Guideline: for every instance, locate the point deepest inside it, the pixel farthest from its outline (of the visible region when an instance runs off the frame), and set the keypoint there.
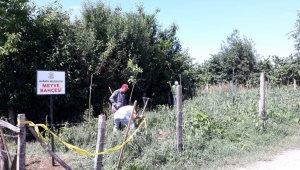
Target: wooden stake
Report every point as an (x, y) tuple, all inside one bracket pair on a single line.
[(145, 105), (90, 96), (21, 156), (261, 108), (100, 141), (125, 137), (110, 90), (179, 119)]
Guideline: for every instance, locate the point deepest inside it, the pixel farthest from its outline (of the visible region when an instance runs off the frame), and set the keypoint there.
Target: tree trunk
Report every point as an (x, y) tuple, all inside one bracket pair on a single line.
[(11, 116), (232, 75), (131, 94), (190, 91)]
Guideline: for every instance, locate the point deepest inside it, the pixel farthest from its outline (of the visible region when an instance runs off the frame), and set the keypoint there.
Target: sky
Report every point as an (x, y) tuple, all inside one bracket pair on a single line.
[(205, 24)]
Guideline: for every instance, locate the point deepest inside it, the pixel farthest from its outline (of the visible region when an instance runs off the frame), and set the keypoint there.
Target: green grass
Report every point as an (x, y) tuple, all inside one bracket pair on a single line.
[(218, 133)]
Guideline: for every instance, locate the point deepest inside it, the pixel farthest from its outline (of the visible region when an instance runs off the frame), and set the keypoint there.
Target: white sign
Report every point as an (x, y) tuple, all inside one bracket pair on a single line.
[(50, 82)]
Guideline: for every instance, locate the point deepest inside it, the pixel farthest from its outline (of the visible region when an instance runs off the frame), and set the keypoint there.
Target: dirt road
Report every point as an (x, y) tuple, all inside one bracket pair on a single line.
[(288, 160)]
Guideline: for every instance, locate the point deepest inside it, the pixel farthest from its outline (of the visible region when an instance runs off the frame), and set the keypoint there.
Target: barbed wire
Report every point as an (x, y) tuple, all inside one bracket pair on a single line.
[(67, 124), (12, 136), (12, 154)]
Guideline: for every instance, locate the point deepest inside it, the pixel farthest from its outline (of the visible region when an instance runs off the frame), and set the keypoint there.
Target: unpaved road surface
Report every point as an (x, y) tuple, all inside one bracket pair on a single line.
[(288, 160)]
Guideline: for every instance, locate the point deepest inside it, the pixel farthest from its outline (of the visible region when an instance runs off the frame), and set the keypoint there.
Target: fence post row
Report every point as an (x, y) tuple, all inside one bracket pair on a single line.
[(100, 141), (179, 118)]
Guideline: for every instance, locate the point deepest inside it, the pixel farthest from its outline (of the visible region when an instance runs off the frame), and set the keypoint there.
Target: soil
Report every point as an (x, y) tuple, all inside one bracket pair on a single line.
[(44, 164), (288, 160)]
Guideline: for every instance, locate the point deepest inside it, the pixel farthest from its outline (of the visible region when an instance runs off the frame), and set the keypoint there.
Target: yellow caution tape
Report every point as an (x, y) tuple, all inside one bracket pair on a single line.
[(74, 148)]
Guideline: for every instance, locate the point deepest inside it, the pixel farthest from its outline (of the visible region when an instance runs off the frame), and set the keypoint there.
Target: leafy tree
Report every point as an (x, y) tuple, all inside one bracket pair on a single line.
[(134, 71), (44, 39), (296, 34), (15, 39), (96, 47), (235, 61), (285, 70), (136, 36)]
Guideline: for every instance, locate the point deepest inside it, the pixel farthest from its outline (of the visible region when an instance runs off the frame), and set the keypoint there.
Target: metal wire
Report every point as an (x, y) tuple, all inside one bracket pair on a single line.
[(11, 153), (12, 136)]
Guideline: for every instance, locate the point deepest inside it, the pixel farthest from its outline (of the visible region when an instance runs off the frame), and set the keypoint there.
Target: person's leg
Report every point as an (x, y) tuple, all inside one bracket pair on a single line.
[(126, 121), (116, 125), (175, 100), (132, 125)]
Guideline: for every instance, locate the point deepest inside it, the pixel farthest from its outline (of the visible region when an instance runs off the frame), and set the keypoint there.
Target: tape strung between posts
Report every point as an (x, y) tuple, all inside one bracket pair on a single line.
[(74, 148)]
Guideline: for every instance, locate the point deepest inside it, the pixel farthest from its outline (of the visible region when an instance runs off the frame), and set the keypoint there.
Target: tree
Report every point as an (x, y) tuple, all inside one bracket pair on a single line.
[(296, 34), (96, 47), (235, 61), (285, 70), (44, 39), (134, 70)]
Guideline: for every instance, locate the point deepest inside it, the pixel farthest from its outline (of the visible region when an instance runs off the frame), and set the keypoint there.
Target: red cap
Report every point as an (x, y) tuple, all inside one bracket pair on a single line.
[(125, 86)]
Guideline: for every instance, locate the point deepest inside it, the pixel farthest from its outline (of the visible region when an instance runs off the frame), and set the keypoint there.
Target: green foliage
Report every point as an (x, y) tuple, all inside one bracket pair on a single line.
[(134, 70), (203, 125), (295, 33), (235, 61), (100, 44)]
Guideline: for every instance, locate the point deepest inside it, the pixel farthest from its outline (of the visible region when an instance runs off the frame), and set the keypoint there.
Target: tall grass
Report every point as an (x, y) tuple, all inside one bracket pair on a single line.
[(220, 129)]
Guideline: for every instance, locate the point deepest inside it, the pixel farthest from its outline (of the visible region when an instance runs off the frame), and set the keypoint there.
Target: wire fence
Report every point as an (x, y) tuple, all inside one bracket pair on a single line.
[(11, 136), (11, 154)]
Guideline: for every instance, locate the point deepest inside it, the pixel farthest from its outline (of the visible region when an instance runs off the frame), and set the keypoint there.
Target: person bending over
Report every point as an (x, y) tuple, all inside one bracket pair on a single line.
[(122, 115)]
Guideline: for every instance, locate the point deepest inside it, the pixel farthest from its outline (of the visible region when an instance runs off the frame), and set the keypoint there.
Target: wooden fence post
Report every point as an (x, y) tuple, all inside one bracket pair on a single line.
[(100, 141), (261, 108), (21, 152), (179, 118)]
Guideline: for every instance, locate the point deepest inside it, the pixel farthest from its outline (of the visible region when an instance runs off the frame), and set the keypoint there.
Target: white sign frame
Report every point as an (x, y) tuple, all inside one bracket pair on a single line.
[(50, 82)]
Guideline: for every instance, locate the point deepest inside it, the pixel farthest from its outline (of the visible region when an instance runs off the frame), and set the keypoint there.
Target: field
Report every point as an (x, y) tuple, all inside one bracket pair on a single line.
[(221, 130)]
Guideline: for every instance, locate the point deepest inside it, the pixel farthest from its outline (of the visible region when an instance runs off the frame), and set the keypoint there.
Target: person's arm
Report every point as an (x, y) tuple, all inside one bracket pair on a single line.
[(124, 101), (112, 98), (137, 116)]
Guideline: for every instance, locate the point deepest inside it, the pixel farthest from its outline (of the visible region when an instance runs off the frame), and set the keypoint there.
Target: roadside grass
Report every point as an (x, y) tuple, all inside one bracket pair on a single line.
[(220, 131)]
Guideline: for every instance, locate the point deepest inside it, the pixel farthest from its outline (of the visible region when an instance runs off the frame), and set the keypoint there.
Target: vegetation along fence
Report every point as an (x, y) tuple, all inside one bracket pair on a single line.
[(19, 161)]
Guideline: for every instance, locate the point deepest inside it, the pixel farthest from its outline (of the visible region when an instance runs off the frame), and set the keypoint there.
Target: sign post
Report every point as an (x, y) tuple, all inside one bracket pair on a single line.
[(51, 83)]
